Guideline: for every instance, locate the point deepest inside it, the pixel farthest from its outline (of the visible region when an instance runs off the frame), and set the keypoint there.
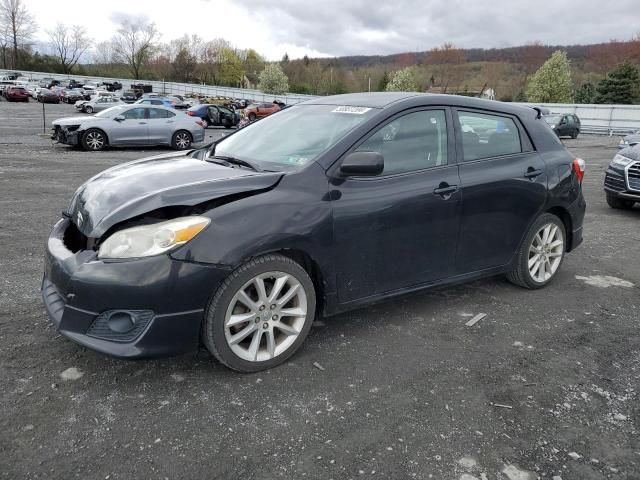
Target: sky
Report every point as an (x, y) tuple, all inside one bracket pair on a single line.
[(359, 27)]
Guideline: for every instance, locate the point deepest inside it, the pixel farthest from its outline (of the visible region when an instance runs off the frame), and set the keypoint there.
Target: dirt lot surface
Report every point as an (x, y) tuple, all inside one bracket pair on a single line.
[(547, 385)]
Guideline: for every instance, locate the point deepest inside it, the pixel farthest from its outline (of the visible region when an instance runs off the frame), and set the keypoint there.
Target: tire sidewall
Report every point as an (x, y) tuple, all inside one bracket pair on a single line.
[(213, 327), (542, 220), (84, 141)]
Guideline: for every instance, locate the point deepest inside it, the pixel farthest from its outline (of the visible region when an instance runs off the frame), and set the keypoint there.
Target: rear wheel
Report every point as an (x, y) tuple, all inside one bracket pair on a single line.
[(574, 135), (260, 315), (94, 139), (619, 203), (541, 254), (88, 109), (252, 117), (181, 140)]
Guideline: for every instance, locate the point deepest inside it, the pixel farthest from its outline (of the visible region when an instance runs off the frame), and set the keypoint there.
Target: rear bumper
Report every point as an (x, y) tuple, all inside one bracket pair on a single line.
[(164, 298)]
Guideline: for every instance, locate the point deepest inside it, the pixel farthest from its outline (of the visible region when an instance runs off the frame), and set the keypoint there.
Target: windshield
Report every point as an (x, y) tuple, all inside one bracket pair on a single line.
[(551, 119), (113, 111), (293, 137)]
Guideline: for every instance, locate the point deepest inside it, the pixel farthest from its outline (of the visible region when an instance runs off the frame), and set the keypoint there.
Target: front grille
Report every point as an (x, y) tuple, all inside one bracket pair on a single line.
[(633, 176), (53, 301), (614, 182), (100, 327)]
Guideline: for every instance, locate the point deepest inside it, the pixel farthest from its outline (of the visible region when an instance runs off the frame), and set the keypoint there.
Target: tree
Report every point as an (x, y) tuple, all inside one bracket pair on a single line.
[(446, 61), (273, 80), (183, 65), (586, 93), (134, 44), (403, 81), (18, 24), (621, 86), (69, 44), (384, 81), (552, 82)]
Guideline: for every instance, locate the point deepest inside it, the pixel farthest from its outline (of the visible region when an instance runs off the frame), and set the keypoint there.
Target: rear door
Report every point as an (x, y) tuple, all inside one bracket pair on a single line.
[(161, 125), (504, 187)]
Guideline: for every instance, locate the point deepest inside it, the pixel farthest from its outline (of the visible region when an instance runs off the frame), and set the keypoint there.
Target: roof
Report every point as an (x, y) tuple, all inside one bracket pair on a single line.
[(414, 99)]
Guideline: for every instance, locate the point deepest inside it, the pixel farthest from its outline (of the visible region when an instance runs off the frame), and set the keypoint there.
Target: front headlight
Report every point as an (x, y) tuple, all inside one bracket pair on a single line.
[(621, 160), (148, 240), (553, 127)]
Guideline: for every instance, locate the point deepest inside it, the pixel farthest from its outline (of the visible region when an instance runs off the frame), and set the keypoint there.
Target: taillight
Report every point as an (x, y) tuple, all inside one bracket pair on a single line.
[(579, 166), (190, 113)]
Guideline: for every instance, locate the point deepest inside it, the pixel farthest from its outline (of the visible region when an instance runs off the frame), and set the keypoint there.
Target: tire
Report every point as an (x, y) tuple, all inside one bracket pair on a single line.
[(94, 140), (181, 140), (252, 117), (268, 328), (88, 109), (552, 257), (574, 135), (619, 203)]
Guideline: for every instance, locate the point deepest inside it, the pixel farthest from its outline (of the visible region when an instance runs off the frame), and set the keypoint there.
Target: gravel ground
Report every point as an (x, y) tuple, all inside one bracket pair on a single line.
[(545, 386)]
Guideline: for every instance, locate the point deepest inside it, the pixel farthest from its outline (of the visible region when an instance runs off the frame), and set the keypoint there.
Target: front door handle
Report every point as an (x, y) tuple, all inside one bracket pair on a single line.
[(445, 190), (533, 173), (142, 123)]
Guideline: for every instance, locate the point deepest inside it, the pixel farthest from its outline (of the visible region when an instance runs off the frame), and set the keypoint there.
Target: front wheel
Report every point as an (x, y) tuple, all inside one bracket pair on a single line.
[(94, 139), (181, 140), (88, 109), (260, 315), (541, 254)]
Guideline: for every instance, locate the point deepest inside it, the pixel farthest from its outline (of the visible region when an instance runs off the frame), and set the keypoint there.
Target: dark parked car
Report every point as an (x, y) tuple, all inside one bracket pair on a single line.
[(332, 204), (622, 179), (630, 140), (564, 125), (71, 95), (215, 115), (112, 86), (48, 96), (16, 94), (129, 97)]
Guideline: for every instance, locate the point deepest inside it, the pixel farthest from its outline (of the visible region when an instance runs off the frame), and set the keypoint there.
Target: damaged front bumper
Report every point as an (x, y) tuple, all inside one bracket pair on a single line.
[(140, 308), (65, 135)]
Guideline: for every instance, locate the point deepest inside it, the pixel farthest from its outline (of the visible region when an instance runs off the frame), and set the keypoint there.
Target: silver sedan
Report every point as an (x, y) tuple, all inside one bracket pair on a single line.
[(130, 125)]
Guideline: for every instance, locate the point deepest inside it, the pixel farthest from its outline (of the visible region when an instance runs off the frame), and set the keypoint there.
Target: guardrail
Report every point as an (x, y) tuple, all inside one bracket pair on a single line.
[(598, 119)]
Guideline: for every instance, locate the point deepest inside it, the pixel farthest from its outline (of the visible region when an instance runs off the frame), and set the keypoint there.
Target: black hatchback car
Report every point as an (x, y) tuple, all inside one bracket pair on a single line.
[(327, 206), (564, 125)]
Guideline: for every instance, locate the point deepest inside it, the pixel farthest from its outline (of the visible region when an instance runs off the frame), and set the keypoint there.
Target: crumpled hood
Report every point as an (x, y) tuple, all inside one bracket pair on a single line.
[(77, 120), (131, 189)]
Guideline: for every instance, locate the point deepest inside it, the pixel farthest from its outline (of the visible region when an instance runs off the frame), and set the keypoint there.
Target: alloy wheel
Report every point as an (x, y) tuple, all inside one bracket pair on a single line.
[(545, 253), (182, 140), (265, 316), (95, 140)]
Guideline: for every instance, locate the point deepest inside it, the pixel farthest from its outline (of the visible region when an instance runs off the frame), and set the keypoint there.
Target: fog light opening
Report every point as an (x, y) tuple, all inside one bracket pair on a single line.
[(121, 322)]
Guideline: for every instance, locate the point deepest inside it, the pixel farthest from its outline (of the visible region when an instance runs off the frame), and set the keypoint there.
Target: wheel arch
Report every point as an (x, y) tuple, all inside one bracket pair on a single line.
[(563, 214)]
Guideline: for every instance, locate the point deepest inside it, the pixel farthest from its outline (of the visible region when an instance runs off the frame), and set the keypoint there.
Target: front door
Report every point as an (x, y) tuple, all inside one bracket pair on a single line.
[(504, 186), (398, 229), (133, 130)]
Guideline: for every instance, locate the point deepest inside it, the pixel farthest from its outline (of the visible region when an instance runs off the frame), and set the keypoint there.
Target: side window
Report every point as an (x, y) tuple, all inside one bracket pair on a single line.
[(486, 136), (134, 114), (155, 113), (412, 142)]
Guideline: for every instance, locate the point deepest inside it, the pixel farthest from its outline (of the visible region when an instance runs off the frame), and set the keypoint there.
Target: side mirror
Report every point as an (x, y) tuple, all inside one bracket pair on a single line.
[(362, 164), (119, 118)]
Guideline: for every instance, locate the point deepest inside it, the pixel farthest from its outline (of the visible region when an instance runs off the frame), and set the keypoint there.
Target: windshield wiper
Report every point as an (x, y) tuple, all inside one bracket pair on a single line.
[(235, 161)]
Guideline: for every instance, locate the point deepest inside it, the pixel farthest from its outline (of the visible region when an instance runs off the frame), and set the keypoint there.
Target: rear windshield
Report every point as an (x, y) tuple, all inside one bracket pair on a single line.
[(552, 119)]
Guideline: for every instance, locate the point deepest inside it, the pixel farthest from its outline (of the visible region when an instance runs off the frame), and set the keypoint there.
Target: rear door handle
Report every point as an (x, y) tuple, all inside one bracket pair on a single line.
[(533, 173), (445, 190)]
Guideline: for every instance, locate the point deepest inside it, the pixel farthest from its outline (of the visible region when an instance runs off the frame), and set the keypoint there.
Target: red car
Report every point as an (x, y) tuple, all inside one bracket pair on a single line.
[(17, 94), (259, 110)]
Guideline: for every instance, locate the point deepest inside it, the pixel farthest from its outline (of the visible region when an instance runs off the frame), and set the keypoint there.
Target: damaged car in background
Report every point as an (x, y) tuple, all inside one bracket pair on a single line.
[(330, 205), (129, 125)]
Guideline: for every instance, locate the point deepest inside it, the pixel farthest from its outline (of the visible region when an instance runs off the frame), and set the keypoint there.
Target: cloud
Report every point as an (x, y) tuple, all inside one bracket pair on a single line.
[(339, 27)]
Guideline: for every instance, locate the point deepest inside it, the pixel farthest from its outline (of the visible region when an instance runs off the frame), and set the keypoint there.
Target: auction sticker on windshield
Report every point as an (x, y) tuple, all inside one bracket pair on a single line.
[(348, 109)]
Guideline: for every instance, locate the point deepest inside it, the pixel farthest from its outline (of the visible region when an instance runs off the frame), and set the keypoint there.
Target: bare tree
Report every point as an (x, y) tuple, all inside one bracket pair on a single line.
[(446, 61), (19, 23), (69, 44), (134, 44)]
